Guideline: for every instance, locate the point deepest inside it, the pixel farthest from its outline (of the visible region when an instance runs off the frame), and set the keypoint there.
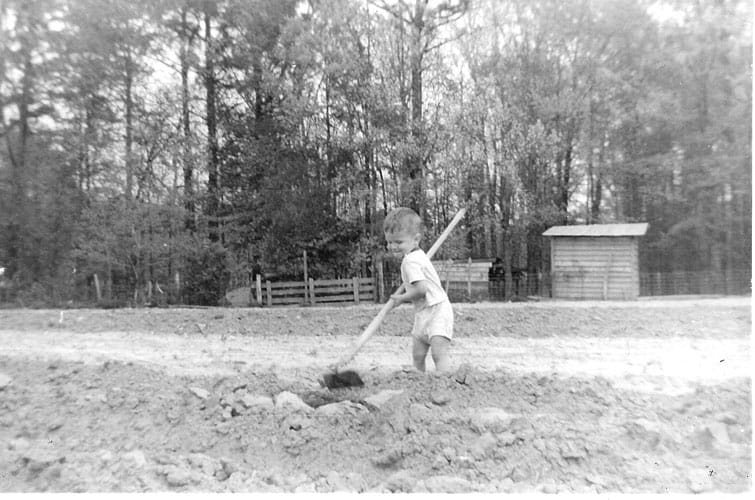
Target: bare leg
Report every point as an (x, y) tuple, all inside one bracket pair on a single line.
[(439, 346), (419, 353)]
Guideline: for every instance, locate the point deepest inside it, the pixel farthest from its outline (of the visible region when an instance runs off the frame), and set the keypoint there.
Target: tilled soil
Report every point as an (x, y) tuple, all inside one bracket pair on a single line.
[(547, 397)]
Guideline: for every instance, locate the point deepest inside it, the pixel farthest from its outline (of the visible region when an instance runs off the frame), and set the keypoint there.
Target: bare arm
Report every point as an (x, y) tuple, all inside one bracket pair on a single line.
[(414, 291)]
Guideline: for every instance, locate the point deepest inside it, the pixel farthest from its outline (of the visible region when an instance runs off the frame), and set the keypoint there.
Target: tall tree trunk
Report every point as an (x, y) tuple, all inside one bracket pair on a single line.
[(330, 165), (370, 197), (370, 208), (508, 251), (188, 161), (211, 120), (88, 134), (597, 190), (590, 173), (415, 161), (564, 171), (129, 104)]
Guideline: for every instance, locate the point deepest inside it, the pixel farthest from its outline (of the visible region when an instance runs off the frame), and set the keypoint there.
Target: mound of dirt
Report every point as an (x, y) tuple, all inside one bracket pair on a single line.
[(121, 427)]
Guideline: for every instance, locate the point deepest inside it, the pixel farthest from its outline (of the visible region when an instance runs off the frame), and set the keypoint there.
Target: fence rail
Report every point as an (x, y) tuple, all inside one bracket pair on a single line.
[(349, 290)]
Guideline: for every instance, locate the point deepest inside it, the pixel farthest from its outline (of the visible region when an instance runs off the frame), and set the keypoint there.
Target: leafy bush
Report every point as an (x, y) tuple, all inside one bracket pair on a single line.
[(207, 275)]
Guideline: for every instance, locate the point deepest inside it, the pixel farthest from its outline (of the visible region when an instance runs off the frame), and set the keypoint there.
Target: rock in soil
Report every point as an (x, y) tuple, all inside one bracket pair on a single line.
[(388, 458), (135, 458), (483, 445), (290, 402), (340, 408), (199, 392), (448, 484), (257, 402), (699, 481), (440, 397), (401, 482), (490, 419), (462, 374), (178, 476), (385, 399), (5, 381)]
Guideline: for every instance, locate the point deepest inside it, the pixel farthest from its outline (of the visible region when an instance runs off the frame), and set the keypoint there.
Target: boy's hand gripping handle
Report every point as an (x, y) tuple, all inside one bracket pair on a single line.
[(377, 320)]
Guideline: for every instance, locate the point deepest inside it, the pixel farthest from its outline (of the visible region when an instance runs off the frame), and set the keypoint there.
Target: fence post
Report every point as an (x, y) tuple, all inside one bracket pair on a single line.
[(306, 277), (355, 283), (258, 289), (380, 284), (469, 279), (449, 268), (269, 293), (97, 288), (312, 291)]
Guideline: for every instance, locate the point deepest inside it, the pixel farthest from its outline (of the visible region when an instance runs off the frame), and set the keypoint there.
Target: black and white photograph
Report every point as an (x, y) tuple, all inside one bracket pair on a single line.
[(376, 247)]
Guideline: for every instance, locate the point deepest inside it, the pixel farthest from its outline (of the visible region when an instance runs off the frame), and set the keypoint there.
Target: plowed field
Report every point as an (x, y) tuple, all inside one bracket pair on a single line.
[(635, 397)]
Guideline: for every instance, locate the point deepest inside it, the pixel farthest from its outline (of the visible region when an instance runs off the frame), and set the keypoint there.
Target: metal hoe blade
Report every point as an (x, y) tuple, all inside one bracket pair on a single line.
[(337, 380)]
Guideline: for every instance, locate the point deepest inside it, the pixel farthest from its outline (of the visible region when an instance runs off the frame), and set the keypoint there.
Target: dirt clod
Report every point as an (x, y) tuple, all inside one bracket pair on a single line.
[(401, 481), (490, 419), (440, 397), (135, 458), (462, 373), (290, 402), (178, 477), (448, 484), (5, 381), (385, 399), (699, 480), (199, 392), (340, 409), (483, 445), (257, 402), (388, 458)]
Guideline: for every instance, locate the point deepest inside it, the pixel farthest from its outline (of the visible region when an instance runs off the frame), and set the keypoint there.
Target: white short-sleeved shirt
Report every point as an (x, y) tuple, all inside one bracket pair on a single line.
[(415, 266)]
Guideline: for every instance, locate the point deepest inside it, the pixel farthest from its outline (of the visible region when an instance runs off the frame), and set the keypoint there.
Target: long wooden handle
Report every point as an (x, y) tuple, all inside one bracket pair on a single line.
[(377, 320)]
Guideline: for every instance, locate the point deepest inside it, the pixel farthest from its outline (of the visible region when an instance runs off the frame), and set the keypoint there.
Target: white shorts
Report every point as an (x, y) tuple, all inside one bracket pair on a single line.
[(437, 319)]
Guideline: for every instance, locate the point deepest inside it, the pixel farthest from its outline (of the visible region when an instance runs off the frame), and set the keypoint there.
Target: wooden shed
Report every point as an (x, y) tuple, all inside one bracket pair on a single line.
[(599, 261)]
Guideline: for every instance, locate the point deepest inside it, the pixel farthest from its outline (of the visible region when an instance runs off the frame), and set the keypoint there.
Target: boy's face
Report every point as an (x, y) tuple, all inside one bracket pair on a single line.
[(401, 243)]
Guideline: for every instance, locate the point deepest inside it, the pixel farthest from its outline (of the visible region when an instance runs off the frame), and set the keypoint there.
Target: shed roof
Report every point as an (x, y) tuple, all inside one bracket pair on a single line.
[(637, 229)]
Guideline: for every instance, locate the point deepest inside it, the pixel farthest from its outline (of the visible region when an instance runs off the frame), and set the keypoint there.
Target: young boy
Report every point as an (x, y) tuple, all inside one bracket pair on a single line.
[(433, 315)]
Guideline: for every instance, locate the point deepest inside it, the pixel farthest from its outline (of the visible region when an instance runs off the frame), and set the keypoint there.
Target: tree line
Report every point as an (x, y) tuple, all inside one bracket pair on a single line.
[(149, 140)]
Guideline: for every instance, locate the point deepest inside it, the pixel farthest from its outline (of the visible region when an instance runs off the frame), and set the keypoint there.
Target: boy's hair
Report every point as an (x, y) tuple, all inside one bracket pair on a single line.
[(402, 219)]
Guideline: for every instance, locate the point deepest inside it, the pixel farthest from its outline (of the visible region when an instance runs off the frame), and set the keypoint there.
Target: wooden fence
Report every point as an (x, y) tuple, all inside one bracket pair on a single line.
[(349, 290), (464, 278)]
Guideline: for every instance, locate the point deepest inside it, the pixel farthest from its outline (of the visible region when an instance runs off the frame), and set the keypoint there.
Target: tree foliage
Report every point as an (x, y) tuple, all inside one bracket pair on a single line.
[(183, 144)]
